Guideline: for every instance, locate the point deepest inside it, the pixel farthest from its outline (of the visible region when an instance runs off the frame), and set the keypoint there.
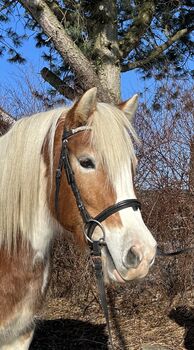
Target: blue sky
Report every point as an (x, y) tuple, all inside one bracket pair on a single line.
[(131, 82)]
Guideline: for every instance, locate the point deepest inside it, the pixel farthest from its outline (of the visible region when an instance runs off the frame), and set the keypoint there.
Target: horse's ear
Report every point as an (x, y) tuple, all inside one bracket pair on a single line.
[(129, 107), (82, 109)]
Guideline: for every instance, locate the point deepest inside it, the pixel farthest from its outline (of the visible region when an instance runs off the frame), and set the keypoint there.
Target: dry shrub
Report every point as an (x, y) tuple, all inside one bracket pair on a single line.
[(169, 216), (171, 221), (71, 269)]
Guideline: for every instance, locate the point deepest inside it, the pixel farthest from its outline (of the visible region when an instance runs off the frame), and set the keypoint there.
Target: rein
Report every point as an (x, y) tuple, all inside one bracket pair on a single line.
[(89, 221), (160, 252)]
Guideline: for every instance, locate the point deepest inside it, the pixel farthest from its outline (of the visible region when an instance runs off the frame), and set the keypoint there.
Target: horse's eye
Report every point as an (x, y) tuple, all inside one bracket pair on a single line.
[(87, 163)]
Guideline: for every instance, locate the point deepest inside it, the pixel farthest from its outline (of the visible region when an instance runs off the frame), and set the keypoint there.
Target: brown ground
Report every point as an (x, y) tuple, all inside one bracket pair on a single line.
[(144, 313), (65, 326)]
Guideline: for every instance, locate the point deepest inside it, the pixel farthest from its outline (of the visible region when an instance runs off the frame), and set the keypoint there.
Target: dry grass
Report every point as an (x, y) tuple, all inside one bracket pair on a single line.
[(135, 321), (157, 310)]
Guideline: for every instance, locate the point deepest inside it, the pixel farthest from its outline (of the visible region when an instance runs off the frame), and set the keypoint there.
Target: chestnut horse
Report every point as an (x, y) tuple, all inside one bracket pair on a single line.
[(102, 157)]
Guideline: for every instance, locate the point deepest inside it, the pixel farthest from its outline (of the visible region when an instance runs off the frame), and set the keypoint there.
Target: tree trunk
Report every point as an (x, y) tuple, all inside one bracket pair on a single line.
[(6, 121), (106, 48), (84, 71)]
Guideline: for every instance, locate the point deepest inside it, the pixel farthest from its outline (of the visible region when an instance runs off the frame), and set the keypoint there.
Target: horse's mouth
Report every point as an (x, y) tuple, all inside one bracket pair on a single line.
[(110, 269)]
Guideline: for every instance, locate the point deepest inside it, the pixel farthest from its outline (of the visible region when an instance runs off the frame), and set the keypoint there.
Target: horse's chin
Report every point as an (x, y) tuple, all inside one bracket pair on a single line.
[(110, 272)]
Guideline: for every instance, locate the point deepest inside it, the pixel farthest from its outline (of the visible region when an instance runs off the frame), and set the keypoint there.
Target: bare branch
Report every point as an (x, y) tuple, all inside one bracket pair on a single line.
[(157, 51), (57, 10), (191, 175), (58, 84), (61, 14)]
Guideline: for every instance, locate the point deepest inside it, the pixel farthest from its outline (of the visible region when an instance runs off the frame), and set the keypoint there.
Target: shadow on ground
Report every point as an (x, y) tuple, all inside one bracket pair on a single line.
[(184, 317), (69, 334)]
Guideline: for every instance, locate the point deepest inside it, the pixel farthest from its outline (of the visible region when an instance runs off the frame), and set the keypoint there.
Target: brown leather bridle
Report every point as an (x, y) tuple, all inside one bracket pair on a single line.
[(89, 221)]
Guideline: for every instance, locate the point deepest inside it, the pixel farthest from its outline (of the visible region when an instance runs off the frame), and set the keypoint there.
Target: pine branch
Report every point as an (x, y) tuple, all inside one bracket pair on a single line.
[(68, 50), (58, 84), (157, 51), (136, 31), (62, 14), (6, 5)]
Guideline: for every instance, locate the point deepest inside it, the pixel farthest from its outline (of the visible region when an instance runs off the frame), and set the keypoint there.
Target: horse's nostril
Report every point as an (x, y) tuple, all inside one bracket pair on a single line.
[(132, 258)]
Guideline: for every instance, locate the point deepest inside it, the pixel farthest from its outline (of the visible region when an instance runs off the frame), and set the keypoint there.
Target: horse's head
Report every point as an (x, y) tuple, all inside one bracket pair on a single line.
[(103, 159)]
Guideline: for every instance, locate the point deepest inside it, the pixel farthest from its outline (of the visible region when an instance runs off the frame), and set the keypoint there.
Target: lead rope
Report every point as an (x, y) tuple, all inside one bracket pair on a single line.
[(96, 257), (97, 263)]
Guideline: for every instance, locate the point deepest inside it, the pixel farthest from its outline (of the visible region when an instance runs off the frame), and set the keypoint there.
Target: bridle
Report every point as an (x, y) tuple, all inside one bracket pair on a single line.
[(90, 222)]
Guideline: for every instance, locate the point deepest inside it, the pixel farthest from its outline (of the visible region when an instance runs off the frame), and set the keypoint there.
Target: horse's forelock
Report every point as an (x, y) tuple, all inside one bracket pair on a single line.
[(112, 135)]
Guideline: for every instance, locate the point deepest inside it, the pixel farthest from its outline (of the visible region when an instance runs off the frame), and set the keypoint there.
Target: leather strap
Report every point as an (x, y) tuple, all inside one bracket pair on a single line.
[(97, 262), (127, 203), (160, 252)]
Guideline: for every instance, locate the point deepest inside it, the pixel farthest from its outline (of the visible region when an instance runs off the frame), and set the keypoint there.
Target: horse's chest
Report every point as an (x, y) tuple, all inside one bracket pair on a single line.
[(22, 287)]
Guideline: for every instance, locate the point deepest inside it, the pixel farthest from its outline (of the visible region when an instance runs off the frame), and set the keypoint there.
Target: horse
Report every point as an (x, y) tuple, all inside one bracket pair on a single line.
[(34, 207)]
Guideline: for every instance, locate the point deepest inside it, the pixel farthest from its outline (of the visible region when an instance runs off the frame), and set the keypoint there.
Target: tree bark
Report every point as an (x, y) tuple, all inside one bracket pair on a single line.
[(106, 48), (69, 51), (58, 84), (6, 121)]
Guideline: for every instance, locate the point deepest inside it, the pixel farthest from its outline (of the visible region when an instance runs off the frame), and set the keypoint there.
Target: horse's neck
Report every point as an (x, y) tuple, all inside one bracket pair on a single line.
[(44, 225)]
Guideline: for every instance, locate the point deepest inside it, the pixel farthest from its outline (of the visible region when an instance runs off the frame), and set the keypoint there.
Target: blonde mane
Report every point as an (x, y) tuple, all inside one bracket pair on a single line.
[(21, 157)]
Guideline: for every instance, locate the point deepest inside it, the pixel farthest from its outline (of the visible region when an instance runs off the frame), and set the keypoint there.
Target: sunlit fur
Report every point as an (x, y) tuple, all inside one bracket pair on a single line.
[(21, 158)]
